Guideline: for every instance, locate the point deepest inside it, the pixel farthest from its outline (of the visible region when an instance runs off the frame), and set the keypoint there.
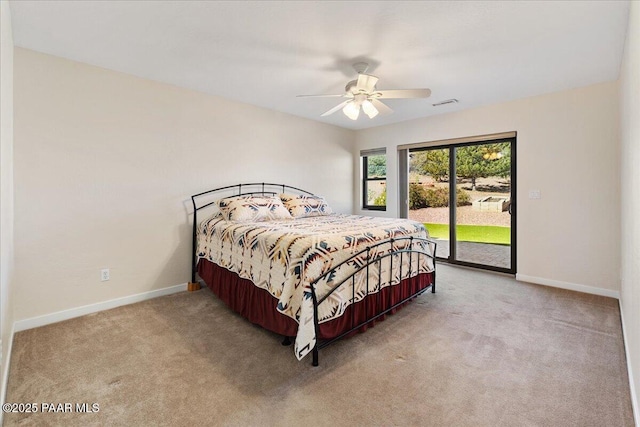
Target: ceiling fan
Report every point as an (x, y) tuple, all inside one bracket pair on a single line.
[(362, 92)]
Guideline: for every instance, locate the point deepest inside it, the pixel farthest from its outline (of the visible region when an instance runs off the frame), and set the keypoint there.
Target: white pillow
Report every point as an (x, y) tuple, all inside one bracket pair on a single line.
[(300, 206), (253, 208)]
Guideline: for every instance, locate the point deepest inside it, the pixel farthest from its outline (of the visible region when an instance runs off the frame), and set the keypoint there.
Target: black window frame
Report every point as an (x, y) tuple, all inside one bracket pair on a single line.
[(366, 179)]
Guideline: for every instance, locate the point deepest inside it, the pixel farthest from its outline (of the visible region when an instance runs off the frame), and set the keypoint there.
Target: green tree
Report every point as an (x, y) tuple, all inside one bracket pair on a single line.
[(434, 163), (377, 166), (482, 161), (503, 164)]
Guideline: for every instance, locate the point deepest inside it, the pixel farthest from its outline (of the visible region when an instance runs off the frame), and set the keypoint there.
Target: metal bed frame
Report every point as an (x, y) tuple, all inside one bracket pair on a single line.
[(270, 189), (234, 190)]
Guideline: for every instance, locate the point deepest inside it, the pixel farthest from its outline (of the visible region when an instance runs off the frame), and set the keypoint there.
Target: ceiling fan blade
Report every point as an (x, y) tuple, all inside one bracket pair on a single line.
[(320, 96), (336, 108), (404, 93), (366, 83), (382, 108)]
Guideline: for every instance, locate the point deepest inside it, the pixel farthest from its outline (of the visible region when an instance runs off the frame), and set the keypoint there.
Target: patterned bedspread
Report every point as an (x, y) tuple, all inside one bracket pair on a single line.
[(286, 256)]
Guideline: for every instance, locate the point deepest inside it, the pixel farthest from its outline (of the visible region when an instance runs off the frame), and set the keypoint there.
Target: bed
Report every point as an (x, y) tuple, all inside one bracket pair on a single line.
[(280, 257)]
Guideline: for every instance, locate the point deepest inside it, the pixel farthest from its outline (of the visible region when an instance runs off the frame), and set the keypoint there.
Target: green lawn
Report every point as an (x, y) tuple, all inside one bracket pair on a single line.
[(473, 233)]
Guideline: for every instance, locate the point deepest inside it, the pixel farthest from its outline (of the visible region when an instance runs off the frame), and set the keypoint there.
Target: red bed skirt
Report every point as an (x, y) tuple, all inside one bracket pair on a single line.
[(258, 306)]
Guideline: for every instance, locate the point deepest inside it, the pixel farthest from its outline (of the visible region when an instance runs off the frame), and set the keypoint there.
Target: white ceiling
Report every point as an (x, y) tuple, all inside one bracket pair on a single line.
[(266, 53)]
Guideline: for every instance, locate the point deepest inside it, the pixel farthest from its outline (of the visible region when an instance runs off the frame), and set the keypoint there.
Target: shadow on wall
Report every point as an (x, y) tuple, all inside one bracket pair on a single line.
[(179, 260), (176, 268)]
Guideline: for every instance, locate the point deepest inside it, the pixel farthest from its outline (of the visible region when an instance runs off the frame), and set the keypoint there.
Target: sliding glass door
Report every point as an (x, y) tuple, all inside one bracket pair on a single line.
[(465, 196)]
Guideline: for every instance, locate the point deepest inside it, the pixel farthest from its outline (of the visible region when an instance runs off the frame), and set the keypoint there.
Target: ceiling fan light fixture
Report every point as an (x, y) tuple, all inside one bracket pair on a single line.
[(363, 92), (351, 110), (369, 109)]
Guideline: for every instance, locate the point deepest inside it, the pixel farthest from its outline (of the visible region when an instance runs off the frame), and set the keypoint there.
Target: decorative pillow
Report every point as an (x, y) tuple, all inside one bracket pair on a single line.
[(253, 208), (302, 206)]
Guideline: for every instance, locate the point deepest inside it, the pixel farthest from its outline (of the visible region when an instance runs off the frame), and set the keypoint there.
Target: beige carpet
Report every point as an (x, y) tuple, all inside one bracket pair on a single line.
[(483, 351)]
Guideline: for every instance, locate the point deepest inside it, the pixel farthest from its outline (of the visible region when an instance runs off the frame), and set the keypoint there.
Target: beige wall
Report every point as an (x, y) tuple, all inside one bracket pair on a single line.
[(567, 148), (630, 183), (105, 164), (6, 188)]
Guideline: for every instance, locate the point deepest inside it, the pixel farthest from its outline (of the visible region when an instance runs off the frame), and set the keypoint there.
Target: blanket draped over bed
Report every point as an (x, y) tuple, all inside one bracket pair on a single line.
[(285, 256)]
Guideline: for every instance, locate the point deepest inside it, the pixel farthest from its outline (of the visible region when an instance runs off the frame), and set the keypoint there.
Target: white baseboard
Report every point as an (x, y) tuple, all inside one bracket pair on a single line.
[(5, 371), (59, 316), (632, 384), (568, 285)]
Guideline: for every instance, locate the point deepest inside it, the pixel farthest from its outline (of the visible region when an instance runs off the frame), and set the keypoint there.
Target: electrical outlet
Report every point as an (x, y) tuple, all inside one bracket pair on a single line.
[(104, 274), (534, 194)]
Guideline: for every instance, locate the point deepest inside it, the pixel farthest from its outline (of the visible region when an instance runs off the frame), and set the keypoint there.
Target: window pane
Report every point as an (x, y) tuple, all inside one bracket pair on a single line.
[(377, 166), (429, 194), (483, 221), (376, 192)]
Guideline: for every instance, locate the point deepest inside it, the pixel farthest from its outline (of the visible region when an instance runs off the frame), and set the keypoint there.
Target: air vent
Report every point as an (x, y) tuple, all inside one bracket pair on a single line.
[(448, 101)]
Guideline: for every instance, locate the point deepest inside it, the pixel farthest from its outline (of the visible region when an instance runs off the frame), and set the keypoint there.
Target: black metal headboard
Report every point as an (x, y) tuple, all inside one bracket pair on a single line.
[(254, 188)]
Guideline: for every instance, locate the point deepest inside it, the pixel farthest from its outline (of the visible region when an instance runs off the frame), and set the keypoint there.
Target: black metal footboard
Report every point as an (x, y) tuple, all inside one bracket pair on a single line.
[(417, 247)]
